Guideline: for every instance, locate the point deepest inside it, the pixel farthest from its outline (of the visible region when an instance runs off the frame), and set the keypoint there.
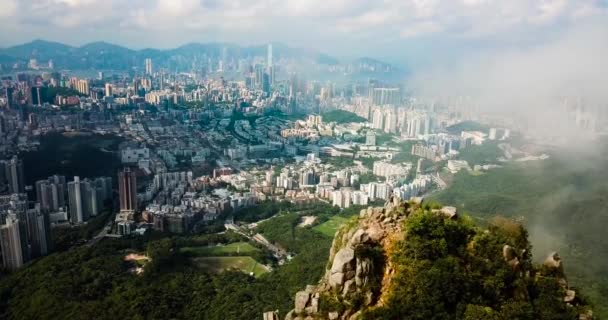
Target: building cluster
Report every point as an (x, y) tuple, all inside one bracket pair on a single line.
[(177, 201), (24, 231), (86, 197)]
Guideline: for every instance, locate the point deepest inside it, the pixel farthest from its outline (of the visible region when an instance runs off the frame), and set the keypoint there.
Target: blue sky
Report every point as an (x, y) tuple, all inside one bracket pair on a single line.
[(391, 29)]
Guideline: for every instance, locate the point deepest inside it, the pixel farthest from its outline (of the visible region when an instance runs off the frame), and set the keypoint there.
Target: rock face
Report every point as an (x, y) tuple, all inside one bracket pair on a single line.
[(352, 270)]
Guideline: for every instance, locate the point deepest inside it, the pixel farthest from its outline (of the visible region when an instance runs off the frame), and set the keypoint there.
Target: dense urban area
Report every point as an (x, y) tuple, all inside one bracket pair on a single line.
[(209, 182)]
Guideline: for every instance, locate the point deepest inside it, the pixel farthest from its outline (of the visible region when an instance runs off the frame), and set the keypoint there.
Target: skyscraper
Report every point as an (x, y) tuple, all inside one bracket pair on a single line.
[(108, 90), (75, 199), (11, 244), (127, 189), (13, 173), (148, 63), (37, 232)]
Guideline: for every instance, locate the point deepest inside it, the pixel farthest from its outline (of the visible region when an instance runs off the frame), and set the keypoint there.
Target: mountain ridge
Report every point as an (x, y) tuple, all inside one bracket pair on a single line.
[(67, 56)]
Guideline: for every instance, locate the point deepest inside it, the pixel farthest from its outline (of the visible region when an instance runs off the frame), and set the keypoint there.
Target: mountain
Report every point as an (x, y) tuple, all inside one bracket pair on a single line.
[(102, 47), (411, 260), (103, 55), (39, 49)]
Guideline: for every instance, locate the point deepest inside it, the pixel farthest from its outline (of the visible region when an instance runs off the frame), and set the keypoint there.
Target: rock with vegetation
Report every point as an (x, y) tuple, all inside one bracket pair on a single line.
[(412, 260)]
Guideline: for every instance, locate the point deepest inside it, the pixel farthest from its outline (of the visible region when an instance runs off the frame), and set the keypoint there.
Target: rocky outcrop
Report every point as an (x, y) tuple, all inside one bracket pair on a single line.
[(357, 264), (360, 271)]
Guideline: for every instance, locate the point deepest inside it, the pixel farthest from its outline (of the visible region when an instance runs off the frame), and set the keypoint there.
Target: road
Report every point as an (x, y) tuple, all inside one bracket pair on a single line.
[(103, 233)]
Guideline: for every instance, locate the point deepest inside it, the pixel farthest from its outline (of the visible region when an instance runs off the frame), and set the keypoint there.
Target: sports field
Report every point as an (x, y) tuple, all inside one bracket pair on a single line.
[(219, 264), (237, 248)]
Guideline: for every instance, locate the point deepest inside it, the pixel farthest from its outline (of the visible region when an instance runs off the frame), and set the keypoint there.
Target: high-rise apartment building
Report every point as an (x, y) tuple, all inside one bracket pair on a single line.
[(24, 231), (148, 63), (108, 91), (86, 197), (50, 193), (75, 188), (13, 175), (384, 96), (127, 189), (11, 244)]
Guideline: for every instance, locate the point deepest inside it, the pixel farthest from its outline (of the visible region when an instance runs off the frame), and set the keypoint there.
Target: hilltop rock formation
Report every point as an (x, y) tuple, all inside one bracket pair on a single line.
[(362, 267)]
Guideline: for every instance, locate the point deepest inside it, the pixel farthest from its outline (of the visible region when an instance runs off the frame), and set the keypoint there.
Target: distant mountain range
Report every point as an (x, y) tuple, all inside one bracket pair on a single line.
[(103, 55)]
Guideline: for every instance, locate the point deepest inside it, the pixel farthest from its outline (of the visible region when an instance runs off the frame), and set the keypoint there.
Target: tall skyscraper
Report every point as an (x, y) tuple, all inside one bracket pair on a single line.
[(108, 90), (11, 244), (13, 173), (127, 189), (75, 188), (37, 232), (270, 55), (148, 63)]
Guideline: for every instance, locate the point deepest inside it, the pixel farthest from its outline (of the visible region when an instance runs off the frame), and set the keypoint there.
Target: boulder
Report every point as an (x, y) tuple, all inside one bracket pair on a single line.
[(375, 232), (349, 287), (336, 280), (302, 298), (363, 213), (570, 296), (553, 261), (343, 260), (333, 315), (289, 315), (449, 212), (314, 304), (359, 237)]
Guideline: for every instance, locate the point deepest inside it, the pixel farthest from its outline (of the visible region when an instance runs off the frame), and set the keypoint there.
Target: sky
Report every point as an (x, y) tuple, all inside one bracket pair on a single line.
[(396, 30)]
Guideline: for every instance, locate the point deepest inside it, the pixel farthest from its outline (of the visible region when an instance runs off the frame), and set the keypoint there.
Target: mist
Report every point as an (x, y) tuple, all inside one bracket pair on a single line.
[(532, 85)]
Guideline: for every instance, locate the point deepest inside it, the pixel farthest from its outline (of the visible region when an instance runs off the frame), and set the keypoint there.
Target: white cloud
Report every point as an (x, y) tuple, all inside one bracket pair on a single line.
[(8, 8), (308, 22), (420, 28)]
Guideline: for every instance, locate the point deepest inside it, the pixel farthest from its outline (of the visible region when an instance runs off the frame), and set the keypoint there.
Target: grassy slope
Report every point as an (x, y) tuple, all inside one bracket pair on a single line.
[(329, 227)]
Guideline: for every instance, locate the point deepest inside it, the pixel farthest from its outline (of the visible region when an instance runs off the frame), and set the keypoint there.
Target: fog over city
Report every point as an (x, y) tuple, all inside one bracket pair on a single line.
[(532, 83), (304, 159)]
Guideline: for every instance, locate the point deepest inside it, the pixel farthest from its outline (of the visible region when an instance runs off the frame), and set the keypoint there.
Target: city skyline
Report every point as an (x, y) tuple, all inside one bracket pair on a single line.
[(407, 29)]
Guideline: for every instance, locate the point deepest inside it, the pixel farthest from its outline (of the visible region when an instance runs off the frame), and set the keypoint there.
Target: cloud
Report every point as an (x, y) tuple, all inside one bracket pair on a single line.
[(530, 83), (420, 28), (321, 24), (8, 8)]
